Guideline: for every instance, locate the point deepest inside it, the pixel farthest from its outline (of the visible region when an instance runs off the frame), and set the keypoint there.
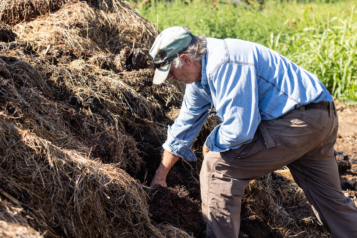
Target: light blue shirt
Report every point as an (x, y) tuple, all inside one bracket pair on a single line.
[(246, 83)]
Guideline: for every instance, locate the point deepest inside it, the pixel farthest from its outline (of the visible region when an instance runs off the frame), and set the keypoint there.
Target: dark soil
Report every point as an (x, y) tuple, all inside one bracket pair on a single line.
[(346, 148), (176, 207), (255, 227), (6, 33)]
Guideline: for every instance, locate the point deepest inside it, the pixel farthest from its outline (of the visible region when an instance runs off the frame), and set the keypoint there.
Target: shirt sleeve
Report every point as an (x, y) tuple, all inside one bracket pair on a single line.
[(237, 104), (181, 135)]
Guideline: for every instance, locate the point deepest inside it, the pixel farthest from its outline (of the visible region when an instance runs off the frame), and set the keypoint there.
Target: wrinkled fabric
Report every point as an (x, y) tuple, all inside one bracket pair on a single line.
[(246, 83)]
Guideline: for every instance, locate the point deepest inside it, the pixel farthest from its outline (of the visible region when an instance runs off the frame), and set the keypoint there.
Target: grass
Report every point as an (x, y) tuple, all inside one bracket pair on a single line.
[(321, 37)]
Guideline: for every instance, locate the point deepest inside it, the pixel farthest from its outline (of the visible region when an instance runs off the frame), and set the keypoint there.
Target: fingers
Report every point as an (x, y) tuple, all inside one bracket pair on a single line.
[(158, 181)]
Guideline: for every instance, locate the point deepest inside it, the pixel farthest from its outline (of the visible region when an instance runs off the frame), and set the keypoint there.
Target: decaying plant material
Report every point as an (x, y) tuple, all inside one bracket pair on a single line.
[(83, 28), (15, 11), (6, 33), (275, 206), (13, 223), (62, 115), (52, 173), (170, 231), (68, 194)]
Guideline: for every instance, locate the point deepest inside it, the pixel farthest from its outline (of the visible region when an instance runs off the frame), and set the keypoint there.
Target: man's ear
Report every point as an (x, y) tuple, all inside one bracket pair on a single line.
[(186, 59)]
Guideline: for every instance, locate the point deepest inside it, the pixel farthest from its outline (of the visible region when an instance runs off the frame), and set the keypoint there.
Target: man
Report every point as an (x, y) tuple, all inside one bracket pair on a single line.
[(273, 114)]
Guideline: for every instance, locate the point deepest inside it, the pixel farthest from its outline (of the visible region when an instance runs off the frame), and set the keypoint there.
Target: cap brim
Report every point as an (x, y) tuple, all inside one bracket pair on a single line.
[(161, 74)]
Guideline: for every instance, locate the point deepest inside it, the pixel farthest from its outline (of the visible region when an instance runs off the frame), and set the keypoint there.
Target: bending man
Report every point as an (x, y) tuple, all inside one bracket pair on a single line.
[(273, 112)]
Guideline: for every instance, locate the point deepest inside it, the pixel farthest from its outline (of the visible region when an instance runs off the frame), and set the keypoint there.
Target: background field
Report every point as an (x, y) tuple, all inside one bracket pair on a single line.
[(319, 36)]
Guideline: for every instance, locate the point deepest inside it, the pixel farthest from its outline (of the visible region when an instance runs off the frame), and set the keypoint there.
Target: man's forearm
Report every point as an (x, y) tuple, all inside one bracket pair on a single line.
[(168, 160)]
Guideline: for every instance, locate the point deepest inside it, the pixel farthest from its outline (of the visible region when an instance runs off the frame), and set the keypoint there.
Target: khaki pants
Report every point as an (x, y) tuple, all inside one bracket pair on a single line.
[(301, 139)]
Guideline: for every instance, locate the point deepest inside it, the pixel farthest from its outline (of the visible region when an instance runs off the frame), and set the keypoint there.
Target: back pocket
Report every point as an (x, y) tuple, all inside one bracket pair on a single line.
[(299, 132)]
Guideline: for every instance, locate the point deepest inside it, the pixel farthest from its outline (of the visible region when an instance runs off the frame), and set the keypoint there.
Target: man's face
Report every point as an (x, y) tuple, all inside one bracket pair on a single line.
[(190, 71)]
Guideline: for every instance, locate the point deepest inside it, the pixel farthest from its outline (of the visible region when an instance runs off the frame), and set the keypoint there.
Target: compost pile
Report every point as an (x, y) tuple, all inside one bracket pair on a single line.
[(81, 128), (75, 91)]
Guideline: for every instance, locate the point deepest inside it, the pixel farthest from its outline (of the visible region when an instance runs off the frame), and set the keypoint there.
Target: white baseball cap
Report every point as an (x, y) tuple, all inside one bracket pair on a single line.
[(166, 47)]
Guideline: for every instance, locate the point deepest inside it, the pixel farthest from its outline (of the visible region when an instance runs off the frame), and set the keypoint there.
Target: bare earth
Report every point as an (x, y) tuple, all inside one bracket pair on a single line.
[(347, 132), (346, 146)]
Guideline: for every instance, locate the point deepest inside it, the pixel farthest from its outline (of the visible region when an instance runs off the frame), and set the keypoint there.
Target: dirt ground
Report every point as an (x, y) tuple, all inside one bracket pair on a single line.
[(346, 147)]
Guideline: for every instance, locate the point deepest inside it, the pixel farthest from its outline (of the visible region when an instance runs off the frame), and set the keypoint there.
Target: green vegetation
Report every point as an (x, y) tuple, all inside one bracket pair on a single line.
[(320, 36)]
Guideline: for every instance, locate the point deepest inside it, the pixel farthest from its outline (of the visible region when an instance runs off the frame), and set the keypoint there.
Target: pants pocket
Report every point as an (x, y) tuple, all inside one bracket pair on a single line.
[(299, 131), (246, 150)]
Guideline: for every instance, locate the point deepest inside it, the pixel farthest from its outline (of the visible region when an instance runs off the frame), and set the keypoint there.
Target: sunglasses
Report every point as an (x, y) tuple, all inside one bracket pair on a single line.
[(165, 62)]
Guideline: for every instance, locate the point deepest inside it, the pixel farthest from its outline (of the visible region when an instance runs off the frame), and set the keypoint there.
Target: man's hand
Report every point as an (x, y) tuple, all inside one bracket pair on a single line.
[(168, 160), (205, 150)]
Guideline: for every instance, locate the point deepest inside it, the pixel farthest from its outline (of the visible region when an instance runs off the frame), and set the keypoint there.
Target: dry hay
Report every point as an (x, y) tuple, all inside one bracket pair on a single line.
[(53, 176), (13, 223), (13, 12), (55, 119), (117, 100), (170, 231), (29, 101), (72, 103), (80, 27), (276, 207), (68, 194)]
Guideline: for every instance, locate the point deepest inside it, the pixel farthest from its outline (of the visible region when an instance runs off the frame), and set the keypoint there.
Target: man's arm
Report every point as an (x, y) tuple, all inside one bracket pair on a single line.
[(168, 160), (182, 133)]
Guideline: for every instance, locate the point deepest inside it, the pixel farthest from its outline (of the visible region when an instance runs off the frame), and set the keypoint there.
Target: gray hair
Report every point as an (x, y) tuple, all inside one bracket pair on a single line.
[(195, 50)]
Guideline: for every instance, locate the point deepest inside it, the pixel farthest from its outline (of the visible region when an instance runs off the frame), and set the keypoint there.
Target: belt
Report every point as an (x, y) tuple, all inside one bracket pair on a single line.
[(328, 106), (319, 105)]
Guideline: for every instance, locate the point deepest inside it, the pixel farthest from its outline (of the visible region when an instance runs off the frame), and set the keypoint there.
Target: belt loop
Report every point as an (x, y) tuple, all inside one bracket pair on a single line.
[(334, 108), (269, 141)]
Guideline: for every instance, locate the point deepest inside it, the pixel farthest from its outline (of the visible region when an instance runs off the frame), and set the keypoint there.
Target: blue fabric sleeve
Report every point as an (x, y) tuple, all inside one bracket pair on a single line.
[(237, 104), (181, 135)]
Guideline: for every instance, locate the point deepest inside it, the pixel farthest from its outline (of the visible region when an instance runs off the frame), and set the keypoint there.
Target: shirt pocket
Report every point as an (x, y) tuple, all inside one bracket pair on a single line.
[(299, 131)]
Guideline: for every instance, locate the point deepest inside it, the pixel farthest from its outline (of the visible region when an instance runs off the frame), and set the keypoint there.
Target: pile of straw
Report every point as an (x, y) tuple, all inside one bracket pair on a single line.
[(83, 28), (68, 194), (13, 223), (28, 97), (52, 174), (277, 207), (65, 111), (15, 11)]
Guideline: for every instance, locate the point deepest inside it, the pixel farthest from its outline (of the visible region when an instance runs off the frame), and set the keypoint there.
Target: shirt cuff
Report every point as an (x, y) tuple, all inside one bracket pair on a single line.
[(178, 148)]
